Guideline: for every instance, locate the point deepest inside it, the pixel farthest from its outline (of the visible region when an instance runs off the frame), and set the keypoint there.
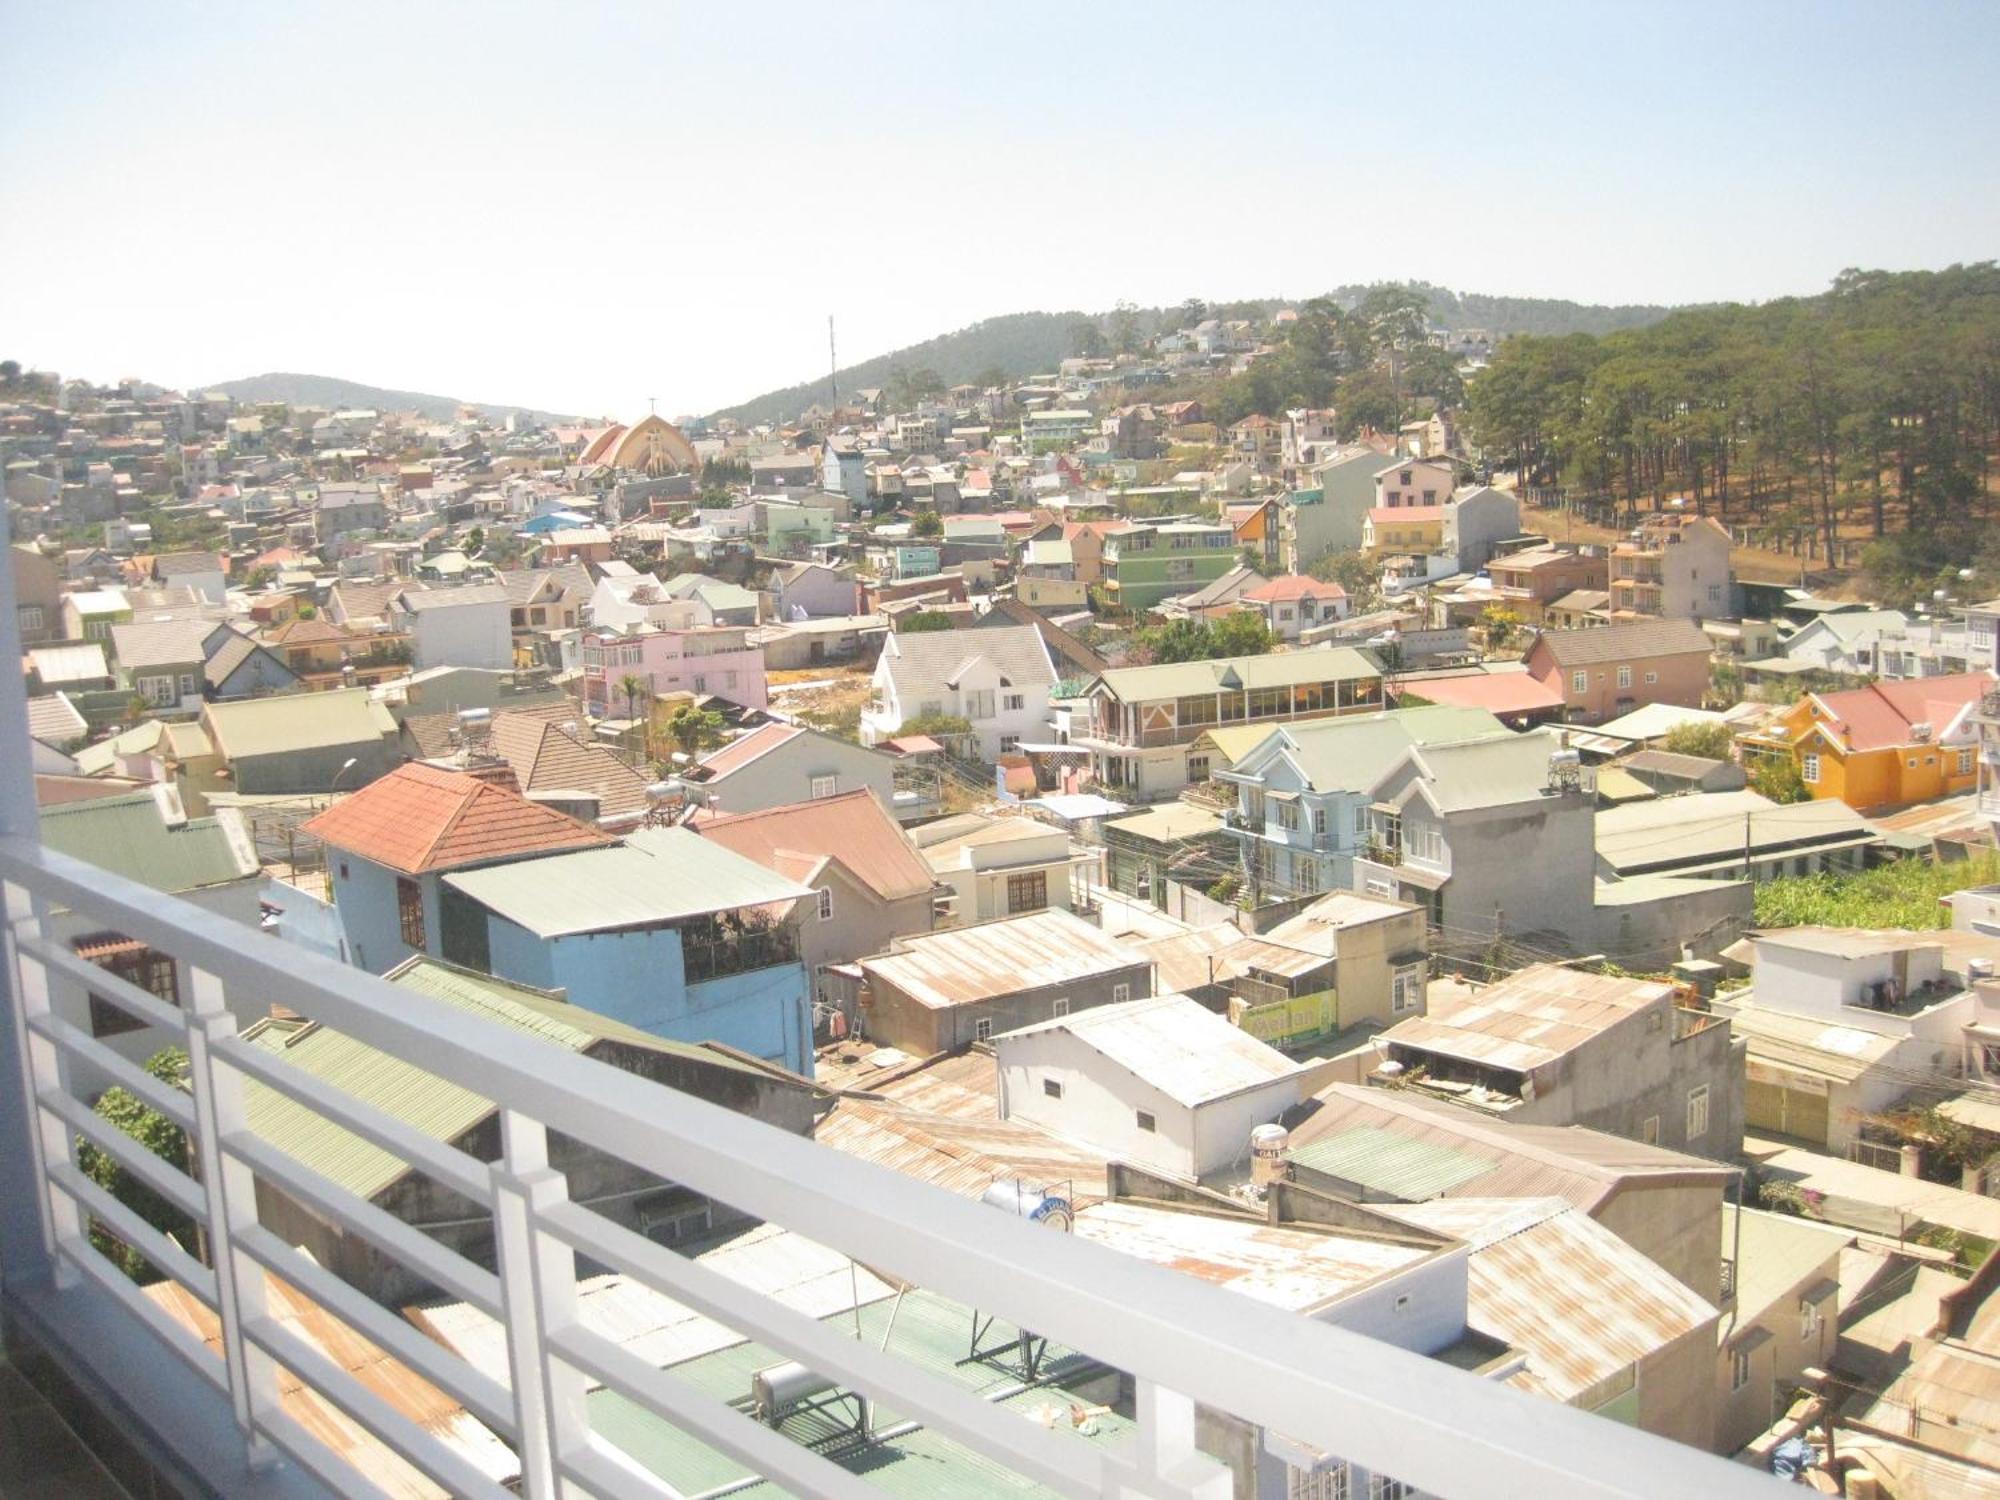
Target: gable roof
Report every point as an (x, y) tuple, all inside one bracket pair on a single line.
[(1289, 586), (161, 643), (229, 655), (965, 965), (1066, 650), (740, 751), (546, 757), (419, 601), (1181, 1048), (419, 818), (1489, 772), (1623, 642), (1352, 753), (1237, 673), (142, 836), (944, 656), (1879, 716), (54, 720), (852, 829)]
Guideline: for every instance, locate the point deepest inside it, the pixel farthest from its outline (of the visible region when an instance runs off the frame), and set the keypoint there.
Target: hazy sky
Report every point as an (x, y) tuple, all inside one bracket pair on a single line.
[(576, 206)]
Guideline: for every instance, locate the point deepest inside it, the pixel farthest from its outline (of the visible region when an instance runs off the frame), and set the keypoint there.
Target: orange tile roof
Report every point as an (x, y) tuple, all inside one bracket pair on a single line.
[(852, 828), (740, 752), (1879, 716), (420, 818), (1293, 586)]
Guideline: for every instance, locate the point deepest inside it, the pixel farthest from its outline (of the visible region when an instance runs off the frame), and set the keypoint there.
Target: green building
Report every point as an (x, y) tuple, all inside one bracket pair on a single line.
[(1150, 563)]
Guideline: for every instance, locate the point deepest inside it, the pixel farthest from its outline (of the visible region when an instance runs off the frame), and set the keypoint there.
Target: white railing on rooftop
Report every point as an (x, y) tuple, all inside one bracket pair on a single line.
[(1181, 1340)]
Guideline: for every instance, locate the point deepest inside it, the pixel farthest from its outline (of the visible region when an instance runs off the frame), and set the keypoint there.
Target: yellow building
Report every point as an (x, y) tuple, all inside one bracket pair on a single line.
[(1885, 745)]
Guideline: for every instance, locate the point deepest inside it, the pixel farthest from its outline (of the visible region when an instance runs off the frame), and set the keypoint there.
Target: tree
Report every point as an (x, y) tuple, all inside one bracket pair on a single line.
[(693, 729), (1708, 741), (474, 540), (926, 523), (990, 377), (1086, 340), (924, 620), (632, 687), (1353, 571), (935, 724), (1125, 335), (1240, 633), (1177, 640), (10, 371), (1193, 311), (1502, 624), (119, 1107), (1777, 777)]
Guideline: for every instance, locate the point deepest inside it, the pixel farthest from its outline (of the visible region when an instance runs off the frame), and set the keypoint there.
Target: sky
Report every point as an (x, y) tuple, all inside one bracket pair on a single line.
[(583, 207)]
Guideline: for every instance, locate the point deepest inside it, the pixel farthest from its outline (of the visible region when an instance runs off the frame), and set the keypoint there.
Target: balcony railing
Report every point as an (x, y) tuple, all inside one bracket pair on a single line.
[(222, 1415)]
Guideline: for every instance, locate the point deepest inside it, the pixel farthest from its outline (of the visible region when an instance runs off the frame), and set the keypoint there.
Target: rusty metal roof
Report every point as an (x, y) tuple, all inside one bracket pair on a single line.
[(1533, 1017), (965, 965)]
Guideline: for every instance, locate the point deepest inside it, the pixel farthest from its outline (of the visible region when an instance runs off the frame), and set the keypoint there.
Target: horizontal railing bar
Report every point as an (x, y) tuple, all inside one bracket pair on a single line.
[(464, 1175), (112, 987), (424, 1451), (389, 1234), (486, 1398), (764, 1449), (609, 1473), (128, 1075), (155, 1171), (1384, 1408), (155, 1246), (1047, 1457), (182, 1341), (290, 1437)]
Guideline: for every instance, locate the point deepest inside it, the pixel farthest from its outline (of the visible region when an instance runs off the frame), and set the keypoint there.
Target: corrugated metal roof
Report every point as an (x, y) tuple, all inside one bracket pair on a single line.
[(1185, 1050), (1531, 1017), (1550, 1280), (1392, 1163), (253, 727), (961, 1154), (1810, 1045), (131, 836), (69, 663), (852, 828), (968, 964), (657, 875), (1237, 673)]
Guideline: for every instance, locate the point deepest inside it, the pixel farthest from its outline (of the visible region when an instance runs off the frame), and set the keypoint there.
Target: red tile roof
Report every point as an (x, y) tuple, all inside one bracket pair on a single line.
[(1879, 716), (1496, 692), (1293, 586), (852, 828), (741, 752), (420, 818)]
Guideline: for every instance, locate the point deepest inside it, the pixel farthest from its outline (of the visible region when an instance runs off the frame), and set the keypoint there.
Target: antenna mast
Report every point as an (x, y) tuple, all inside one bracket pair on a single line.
[(832, 365)]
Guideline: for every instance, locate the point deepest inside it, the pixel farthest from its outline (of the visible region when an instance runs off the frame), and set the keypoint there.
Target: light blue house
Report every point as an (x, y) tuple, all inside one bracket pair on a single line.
[(668, 932)]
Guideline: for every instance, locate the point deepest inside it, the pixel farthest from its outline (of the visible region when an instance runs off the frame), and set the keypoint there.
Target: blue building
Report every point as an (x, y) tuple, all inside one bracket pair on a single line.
[(664, 931)]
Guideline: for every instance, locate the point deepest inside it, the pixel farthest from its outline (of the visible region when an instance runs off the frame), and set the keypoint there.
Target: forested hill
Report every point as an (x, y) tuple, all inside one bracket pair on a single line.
[(328, 391), (1031, 343)]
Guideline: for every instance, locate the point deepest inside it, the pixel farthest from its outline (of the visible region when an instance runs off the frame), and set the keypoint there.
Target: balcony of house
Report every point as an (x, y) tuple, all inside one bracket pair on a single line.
[(716, 947), (977, 1351), (1184, 720)]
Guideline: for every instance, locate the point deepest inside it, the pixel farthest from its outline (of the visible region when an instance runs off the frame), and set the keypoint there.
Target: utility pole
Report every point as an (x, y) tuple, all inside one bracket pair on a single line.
[(1746, 846)]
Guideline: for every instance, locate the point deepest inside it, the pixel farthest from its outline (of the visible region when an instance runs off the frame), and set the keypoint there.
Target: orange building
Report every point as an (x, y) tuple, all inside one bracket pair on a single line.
[(1884, 745)]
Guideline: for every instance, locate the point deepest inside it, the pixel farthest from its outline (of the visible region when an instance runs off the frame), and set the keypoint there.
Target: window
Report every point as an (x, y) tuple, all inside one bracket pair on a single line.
[(410, 911), (1650, 1131), (1319, 820), (1382, 1487), (1147, 1123), (1316, 1484), (1197, 768), (1406, 990), (29, 617), (1989, 1059), (1808, 1319), (1028, 892), (1965, 762), (826, 906), (825, 786), (1624, 677), (1060, 1007), (979, 704), (1697, 1113), (1651, 678), (1809, 768), (1051, 1088), (982, 1029), (1739, 1369), (1288, 815), (136, 964), (156, 690), (1009, 743), (1015, 702), (1579, 682), (1120, 993)]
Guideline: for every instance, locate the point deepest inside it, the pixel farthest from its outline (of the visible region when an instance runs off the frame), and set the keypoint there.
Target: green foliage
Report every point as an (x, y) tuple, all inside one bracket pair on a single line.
[(693, 729), (1904, 894), (926, 523), (1777, 777), (924, 620), (1353, 572), (1087, 341), (1502, 625), (127, 1112), (1782, 1197), (1240, 633), (717, 474), (1709, 741), (1224, 890), (935, 724), (475, 538), (1969, 1251), (906, 386)]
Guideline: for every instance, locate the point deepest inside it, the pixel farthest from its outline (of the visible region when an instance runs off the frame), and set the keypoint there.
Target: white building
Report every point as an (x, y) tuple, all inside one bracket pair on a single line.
[(458, 627), (997, 678)]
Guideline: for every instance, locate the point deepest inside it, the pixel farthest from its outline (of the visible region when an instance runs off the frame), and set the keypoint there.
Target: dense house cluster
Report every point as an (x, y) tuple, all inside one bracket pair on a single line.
[(1246, 836)]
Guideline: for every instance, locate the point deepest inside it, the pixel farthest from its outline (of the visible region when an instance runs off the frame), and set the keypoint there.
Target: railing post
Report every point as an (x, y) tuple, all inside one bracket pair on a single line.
[(40, 1065), (231, 1189), (538, 1297), (1161, 1462)]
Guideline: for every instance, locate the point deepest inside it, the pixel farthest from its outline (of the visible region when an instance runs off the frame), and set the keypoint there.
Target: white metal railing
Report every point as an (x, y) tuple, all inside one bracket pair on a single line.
[(1182, 1340)]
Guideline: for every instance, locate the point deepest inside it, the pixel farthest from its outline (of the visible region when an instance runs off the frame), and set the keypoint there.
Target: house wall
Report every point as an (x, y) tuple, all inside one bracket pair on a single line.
[(821, 592), (467, 635), (1743, 1413), (313, 770), (981, 894), (1487, 851), (364, 898), (1100, 1103), (785, 775), (862, 923), (1677, 1227), (1707, 915), (1677, 1388), (1365, 970), (1473, 526), (260, 673), (1681, 679)]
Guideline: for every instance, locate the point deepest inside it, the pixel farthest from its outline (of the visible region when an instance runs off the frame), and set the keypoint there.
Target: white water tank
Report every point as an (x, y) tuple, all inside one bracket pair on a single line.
[(1267, 1154)]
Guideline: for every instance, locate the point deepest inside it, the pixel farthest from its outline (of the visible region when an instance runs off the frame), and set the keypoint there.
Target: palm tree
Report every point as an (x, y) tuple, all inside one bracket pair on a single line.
[(632, 687)]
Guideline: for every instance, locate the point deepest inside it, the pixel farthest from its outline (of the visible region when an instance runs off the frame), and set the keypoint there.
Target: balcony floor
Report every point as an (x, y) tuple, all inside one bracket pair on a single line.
[(40, 1458)]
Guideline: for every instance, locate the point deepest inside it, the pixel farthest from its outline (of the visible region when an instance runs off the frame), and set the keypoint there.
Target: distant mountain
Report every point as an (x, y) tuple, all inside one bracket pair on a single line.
[(325, 390), (1032, 343)]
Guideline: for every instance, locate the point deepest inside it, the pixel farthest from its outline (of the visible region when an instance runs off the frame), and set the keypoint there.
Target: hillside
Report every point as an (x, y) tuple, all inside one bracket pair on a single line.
[(326, 390), (1030, 343)]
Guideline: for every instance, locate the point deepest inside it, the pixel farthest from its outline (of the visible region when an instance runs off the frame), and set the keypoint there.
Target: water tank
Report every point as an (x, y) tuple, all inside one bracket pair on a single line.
[(1977, 969), (474, 718), (1025, 1202), (776, 1389), (1267, 1154)]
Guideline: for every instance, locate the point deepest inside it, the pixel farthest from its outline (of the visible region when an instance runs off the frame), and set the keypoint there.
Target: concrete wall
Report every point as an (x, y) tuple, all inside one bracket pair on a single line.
[(1744, 1412), (469, 635), (313, 770), (1677, 1227), (897, 1019), (785, 775)]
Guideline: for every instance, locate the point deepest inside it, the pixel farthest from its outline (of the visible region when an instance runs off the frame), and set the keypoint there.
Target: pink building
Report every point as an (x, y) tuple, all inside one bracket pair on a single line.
[(716, 659)]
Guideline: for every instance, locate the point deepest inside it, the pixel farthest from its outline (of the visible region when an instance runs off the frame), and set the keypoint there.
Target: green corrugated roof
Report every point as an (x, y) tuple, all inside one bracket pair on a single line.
[(657, 875), (1190, 678), (929, 1332), (297, 721), (440, 1110), (1414, 1171), (130, 836)]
